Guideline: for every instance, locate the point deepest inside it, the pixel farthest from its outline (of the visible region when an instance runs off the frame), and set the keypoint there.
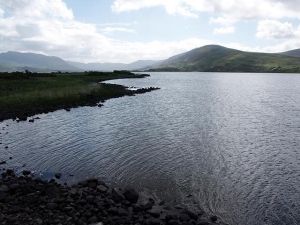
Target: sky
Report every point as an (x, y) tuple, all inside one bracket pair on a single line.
[(123, 31)]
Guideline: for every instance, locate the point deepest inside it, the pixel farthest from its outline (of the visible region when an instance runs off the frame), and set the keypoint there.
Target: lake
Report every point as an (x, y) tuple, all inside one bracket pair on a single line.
[(231, 140)]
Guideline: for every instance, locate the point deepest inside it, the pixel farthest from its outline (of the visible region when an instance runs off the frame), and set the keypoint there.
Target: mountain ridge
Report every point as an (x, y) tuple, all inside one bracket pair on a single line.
[(216, 58), (114, 66), (17, 61), (208, 58)]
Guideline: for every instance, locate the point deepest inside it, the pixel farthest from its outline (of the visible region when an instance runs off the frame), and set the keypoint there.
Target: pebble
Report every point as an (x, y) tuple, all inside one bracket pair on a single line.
[(37, 201)]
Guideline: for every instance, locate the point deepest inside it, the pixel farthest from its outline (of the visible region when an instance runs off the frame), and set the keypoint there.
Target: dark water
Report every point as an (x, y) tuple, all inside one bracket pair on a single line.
[(230, 140)]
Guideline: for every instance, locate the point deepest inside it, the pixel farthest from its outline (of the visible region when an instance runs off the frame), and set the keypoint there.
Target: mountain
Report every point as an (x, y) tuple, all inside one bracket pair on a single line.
[(215, 58), (292, 53), (115, 66), (16, 61)]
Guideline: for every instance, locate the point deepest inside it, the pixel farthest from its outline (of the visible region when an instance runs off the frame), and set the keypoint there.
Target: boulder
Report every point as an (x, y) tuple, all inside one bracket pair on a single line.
[(58, 175), (117, 195), (131, 195), (101, 188)]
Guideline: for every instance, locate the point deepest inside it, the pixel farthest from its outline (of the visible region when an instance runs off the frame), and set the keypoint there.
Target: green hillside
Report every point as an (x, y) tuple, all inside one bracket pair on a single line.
[(292, 53), (214, 58)]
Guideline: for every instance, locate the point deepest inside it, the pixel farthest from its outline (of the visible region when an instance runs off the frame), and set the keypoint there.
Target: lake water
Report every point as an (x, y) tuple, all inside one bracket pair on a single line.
[(231, 140)]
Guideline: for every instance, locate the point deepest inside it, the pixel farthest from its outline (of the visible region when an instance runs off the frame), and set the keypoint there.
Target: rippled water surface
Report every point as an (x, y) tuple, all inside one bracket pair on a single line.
[(230, 140)]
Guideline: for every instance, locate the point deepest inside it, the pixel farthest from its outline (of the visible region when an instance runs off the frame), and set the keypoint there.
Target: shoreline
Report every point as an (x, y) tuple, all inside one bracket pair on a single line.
[(25, 199), (58, 92), (24, 114)]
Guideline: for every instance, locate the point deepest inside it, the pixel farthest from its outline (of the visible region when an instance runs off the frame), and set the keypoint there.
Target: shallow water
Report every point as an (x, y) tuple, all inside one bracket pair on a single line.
[(231, 140)]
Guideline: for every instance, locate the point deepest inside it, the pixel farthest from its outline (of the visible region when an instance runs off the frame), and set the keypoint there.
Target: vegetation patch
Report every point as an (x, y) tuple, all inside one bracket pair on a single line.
[(31, 93)]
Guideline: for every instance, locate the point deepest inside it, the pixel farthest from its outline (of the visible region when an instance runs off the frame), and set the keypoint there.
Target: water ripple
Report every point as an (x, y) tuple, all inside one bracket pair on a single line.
[(230, 140)]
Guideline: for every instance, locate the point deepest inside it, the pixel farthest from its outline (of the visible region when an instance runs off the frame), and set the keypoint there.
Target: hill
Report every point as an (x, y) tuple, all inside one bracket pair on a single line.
[(16, 61), (114, 66), (292, 53), (215, 58)]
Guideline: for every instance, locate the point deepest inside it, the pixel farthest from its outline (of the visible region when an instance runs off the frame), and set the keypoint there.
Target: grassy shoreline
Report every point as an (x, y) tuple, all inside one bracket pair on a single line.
[(27, 94)]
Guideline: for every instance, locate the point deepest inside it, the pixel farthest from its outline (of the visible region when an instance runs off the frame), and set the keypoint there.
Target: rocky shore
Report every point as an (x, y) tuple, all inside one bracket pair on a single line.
[(28, 200), (23, 114)]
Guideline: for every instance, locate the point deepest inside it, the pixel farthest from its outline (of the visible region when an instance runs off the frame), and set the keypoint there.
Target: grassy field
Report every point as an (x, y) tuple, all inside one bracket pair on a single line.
[(21, 91)]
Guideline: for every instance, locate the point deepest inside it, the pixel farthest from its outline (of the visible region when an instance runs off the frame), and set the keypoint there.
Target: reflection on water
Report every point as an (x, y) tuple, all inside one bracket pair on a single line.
[(230, 140)]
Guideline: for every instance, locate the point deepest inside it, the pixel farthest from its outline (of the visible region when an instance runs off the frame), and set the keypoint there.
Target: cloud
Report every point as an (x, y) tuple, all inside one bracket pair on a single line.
[(224, 30), (59, 34), (171, 6), (229, 9), (109, 30), (114, 24), (273, 29), (225, 21), (49, 27), (37, 8)]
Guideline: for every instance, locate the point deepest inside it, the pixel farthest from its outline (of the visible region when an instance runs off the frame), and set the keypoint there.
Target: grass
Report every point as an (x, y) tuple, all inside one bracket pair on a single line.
[(19, 91)]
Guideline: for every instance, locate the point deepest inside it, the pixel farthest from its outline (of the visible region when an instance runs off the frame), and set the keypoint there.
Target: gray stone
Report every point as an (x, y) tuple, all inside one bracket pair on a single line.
[(14, 186), (39, 221), (93, 220), (51, 206), (174, 222), (58, 175), (53, 192), (153, 222), (123, 212), (73, 191), (154, 213), (87, 214), (131, 195), (213, 218), (4, 188), (117, 195), (147, 206), (102, 188), (92, 184), (113, 210), (184, 217), (191, 214), (90, 198), (2, 195), (100, 182)]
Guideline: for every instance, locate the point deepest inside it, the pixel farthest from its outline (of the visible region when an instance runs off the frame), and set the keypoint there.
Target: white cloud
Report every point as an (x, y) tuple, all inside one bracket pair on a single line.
[(224, 30), (115, 24), (229, 9), (63, 36), (225, 21), (273, 29), (108, 30), (49, 27), (171, 6), (37, 8)]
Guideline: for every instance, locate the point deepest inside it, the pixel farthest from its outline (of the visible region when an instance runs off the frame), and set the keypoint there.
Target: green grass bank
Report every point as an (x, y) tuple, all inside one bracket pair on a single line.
[(26, 94)]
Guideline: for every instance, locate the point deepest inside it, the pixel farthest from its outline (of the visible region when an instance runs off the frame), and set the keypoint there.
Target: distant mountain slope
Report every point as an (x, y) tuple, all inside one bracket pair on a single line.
[(214, 58), (114, 66), (16, 61), (292, 53)]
